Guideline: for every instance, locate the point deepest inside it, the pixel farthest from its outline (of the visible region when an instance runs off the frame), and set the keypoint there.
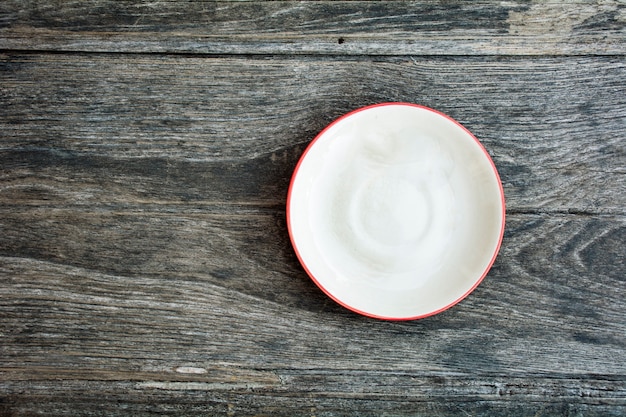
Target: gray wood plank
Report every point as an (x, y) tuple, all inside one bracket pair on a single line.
[(246, 247), (544, 332), (145, 153), (136, 398), (86, 284), (326, 27), (151, 130)]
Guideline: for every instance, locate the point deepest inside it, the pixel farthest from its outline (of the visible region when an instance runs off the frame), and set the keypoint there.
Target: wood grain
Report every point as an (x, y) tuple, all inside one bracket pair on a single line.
[(330, 27), (101, 130), (66, 319), (176, 262), (145, 154)]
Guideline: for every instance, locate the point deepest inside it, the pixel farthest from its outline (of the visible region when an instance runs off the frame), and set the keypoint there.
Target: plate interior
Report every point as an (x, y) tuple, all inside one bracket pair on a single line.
[(396, 211)]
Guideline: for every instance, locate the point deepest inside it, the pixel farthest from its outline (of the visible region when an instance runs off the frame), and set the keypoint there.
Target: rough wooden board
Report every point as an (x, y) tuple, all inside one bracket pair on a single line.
[(544, 333), (327, 27), (91, 129), (144, 262), (496, 398), (229, 289)]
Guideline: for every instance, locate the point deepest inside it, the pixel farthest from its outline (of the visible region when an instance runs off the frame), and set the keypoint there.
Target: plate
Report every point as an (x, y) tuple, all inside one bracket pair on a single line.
[(396, 211)]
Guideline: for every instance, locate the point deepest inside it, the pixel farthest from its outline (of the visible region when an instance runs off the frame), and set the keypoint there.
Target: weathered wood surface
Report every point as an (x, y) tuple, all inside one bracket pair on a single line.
[(151, 129), (145, 265), (329, 27)]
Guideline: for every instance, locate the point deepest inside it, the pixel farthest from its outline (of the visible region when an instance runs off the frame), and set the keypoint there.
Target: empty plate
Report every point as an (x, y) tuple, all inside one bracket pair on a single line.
[(396, 211)]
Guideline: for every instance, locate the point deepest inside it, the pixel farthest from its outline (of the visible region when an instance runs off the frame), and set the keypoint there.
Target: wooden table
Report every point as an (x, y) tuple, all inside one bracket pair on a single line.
[(146, 150)]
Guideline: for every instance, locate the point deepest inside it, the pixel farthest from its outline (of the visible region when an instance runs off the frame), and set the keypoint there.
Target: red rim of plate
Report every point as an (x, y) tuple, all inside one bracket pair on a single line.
[(328, 293)]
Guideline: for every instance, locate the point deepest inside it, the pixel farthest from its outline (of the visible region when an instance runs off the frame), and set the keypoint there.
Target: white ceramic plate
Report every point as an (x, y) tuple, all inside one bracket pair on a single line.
[(396, 211)]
